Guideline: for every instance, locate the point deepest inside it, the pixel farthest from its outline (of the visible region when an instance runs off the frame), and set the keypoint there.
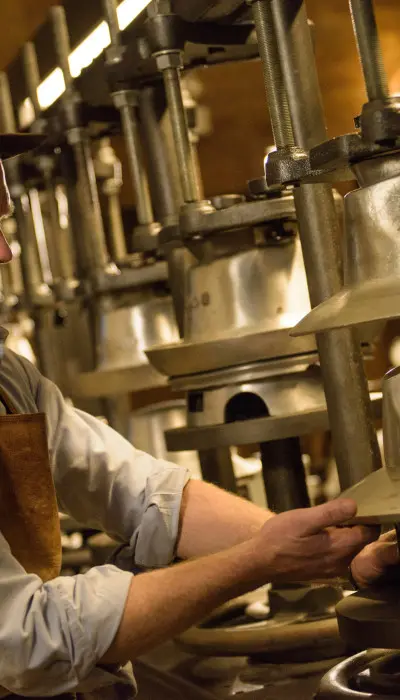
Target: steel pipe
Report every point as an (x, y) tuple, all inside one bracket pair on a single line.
[(284, 475), (92, 224), (165, 203), (272, 72), (356, 449), (127, 107), (369, 48), (186, 163)]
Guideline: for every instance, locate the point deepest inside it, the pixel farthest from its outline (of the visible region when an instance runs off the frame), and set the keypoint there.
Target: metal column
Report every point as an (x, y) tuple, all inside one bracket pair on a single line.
[(356, 449)]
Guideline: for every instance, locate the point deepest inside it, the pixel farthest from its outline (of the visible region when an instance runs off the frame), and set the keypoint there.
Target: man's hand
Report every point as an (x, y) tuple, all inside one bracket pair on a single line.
[(298, 545), (375, 559), (303, 545)]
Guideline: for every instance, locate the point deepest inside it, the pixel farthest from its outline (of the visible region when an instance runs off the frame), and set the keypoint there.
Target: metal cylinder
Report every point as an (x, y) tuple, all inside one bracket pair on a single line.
[(32, 75), (369, 48), (217, 468), (144, 211), (166, 205), (60, 262), (117, 233), (30, 261), (110, 11), (40, 236), (346, 389), (284, 475), (187, 167), (272, 72), (56, 250), (164, 200), (299, 72), (88, 198), (89, 205), (61, 41)]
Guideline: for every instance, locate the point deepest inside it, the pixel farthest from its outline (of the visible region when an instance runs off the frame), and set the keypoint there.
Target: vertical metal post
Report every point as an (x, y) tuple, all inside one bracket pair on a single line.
[(346, 389), (55, 238), (273, 79), (90, 213), (217, 468), (284, 475), (165, 204), (184, 153), (126, 101), (369, 48)]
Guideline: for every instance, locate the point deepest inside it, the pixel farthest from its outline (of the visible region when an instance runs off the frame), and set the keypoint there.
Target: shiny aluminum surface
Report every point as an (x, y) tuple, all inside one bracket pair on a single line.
[(125, 333), (261, 287), (239, 308), (279, 396), (371, 290), (378, 495)]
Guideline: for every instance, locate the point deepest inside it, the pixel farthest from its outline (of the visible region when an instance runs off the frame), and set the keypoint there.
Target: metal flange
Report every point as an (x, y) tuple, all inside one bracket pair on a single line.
[(256, 430), (182, 359), (114, 382)]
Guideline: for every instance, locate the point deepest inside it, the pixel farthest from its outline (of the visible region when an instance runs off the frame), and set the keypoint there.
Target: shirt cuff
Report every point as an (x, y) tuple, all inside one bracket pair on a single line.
[(153, 543)]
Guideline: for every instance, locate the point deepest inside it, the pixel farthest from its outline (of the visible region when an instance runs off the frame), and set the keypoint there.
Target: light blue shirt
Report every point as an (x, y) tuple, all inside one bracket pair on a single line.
[(53, 634)]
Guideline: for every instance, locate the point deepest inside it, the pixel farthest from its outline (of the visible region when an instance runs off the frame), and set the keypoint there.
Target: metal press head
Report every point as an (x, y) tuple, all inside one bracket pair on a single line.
[(371, 257), (378, 495)]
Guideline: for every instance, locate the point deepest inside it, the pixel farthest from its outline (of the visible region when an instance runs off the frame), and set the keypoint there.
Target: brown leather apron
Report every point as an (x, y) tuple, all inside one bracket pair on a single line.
[(29, 518)]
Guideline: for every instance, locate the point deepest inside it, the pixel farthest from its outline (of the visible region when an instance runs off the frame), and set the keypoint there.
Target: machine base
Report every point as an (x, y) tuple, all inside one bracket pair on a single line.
[(371, 618)]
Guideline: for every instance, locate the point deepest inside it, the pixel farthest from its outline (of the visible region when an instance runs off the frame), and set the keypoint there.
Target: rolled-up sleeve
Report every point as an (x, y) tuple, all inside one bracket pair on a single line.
[(103, 482), (53, 634)]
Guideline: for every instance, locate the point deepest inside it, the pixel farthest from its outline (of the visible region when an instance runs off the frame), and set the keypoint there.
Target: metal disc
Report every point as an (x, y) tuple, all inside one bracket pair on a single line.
[(116, 381), (179, 359), (377, 498), (370, 301)]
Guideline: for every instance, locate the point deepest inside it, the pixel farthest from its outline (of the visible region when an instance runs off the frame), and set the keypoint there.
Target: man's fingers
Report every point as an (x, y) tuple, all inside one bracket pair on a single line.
[(315, 519), (388, 554), (390, 536)]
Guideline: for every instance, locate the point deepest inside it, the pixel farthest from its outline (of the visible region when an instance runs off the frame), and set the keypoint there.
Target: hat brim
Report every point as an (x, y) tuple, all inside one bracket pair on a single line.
[(368, 302), (15, 144)]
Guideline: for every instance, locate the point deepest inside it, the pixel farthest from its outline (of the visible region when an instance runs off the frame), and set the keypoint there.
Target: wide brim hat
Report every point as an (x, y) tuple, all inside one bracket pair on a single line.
[(14, 144)]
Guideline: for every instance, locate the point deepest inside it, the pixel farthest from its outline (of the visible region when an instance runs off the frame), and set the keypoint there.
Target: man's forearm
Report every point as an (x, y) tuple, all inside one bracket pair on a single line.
[(294, 546), (163, 603), (212, 520)]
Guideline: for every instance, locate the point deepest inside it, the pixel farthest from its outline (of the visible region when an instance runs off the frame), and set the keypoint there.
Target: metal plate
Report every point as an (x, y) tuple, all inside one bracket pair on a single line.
[(371, 301), (180, 359), (245, 373), (114, 382), (254, 431), (377, 498)]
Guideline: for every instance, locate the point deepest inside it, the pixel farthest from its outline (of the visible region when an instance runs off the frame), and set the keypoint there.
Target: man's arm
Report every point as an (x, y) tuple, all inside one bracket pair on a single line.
[(103, 481), (298, 545), (212, 520)]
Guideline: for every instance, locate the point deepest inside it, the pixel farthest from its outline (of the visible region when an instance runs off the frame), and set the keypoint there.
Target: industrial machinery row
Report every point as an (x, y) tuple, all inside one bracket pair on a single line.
[(195, 325)]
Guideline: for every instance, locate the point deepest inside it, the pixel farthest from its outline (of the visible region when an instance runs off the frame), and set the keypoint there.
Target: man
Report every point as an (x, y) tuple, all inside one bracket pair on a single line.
[(73, 633)]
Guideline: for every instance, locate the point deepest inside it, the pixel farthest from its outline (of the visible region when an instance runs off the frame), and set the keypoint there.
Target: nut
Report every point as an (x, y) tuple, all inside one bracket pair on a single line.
[(168, 59)]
